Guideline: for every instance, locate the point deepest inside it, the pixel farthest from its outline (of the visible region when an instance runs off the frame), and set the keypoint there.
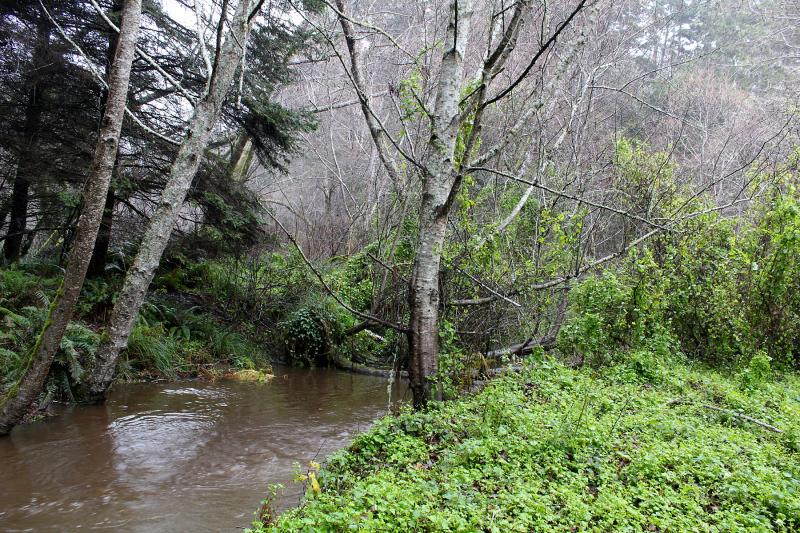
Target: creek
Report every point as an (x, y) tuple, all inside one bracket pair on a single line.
[(184, 456)]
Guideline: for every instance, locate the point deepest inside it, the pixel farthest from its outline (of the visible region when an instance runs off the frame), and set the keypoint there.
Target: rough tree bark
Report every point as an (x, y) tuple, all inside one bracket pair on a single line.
[(100, 253), (160, 227), (26, 164), (440, 180), (20, 397)]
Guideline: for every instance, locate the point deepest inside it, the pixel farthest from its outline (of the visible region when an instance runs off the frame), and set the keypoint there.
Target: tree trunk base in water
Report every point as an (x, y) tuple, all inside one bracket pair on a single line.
[(88, 396)]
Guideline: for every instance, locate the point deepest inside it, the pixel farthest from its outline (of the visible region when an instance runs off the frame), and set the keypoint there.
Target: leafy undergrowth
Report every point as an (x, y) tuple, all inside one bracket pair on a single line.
[(168, 341), (632, 447)]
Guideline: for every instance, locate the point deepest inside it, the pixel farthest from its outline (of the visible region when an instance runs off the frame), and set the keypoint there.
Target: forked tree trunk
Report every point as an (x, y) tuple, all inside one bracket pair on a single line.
[(440, 183), (437, 192), (159, 230), (20, 397)]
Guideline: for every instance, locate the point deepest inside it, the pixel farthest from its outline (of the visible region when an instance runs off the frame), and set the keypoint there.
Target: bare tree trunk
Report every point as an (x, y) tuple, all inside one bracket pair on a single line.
[(19, 398), (5, 208), (100, 253), (12, 246), (159, 230), (360, 85), (441, 178), (423, 335), (440, 181), (241, 159)]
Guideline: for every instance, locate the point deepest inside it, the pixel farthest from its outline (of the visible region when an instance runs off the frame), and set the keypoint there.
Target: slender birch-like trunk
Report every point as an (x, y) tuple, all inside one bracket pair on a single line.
[(100, 253), (440, 181), (160, 227), (19, 398), (441, 178)]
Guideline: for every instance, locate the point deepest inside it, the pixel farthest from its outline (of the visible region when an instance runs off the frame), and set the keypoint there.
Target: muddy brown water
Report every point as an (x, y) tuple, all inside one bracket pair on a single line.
[(187, 456)]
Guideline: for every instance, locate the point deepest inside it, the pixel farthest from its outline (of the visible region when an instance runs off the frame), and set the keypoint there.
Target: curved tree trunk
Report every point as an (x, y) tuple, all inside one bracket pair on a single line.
[(17, 401), (159, 230)]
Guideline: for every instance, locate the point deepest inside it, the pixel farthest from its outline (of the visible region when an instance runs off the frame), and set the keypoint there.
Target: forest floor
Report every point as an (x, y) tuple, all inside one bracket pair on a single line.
[(638, 446)]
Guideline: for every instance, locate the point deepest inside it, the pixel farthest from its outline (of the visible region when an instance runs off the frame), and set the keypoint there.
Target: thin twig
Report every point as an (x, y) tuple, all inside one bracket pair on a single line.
[(147, 57), (365, 316), (488, 288), (729, 412), (571, 196)]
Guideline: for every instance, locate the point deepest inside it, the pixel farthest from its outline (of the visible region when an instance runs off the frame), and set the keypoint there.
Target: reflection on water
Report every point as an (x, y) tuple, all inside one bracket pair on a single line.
[(179, 457)]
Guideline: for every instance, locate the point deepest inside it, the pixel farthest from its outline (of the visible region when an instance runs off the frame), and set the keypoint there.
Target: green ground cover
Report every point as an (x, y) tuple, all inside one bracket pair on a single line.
[(645, 445)]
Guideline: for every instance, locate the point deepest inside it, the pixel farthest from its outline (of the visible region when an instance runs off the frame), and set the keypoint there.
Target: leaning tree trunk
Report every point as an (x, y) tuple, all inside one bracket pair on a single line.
[(158, 231), (100, 253), (441, 180), (20, 397)]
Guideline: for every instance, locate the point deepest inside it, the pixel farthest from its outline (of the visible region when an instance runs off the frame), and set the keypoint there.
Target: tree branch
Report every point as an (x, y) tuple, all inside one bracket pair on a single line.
[(334, 295)]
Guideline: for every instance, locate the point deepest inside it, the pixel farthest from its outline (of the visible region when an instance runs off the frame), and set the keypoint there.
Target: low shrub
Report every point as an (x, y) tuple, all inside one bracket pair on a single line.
[(717, 293), (169, 340), (312, 330)]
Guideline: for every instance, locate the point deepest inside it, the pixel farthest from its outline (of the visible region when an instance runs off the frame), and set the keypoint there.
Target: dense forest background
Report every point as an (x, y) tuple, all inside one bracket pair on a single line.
[(417, 185)]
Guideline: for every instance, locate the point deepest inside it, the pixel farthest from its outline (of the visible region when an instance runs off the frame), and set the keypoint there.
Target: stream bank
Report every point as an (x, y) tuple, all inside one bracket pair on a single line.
[(187, 455)]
